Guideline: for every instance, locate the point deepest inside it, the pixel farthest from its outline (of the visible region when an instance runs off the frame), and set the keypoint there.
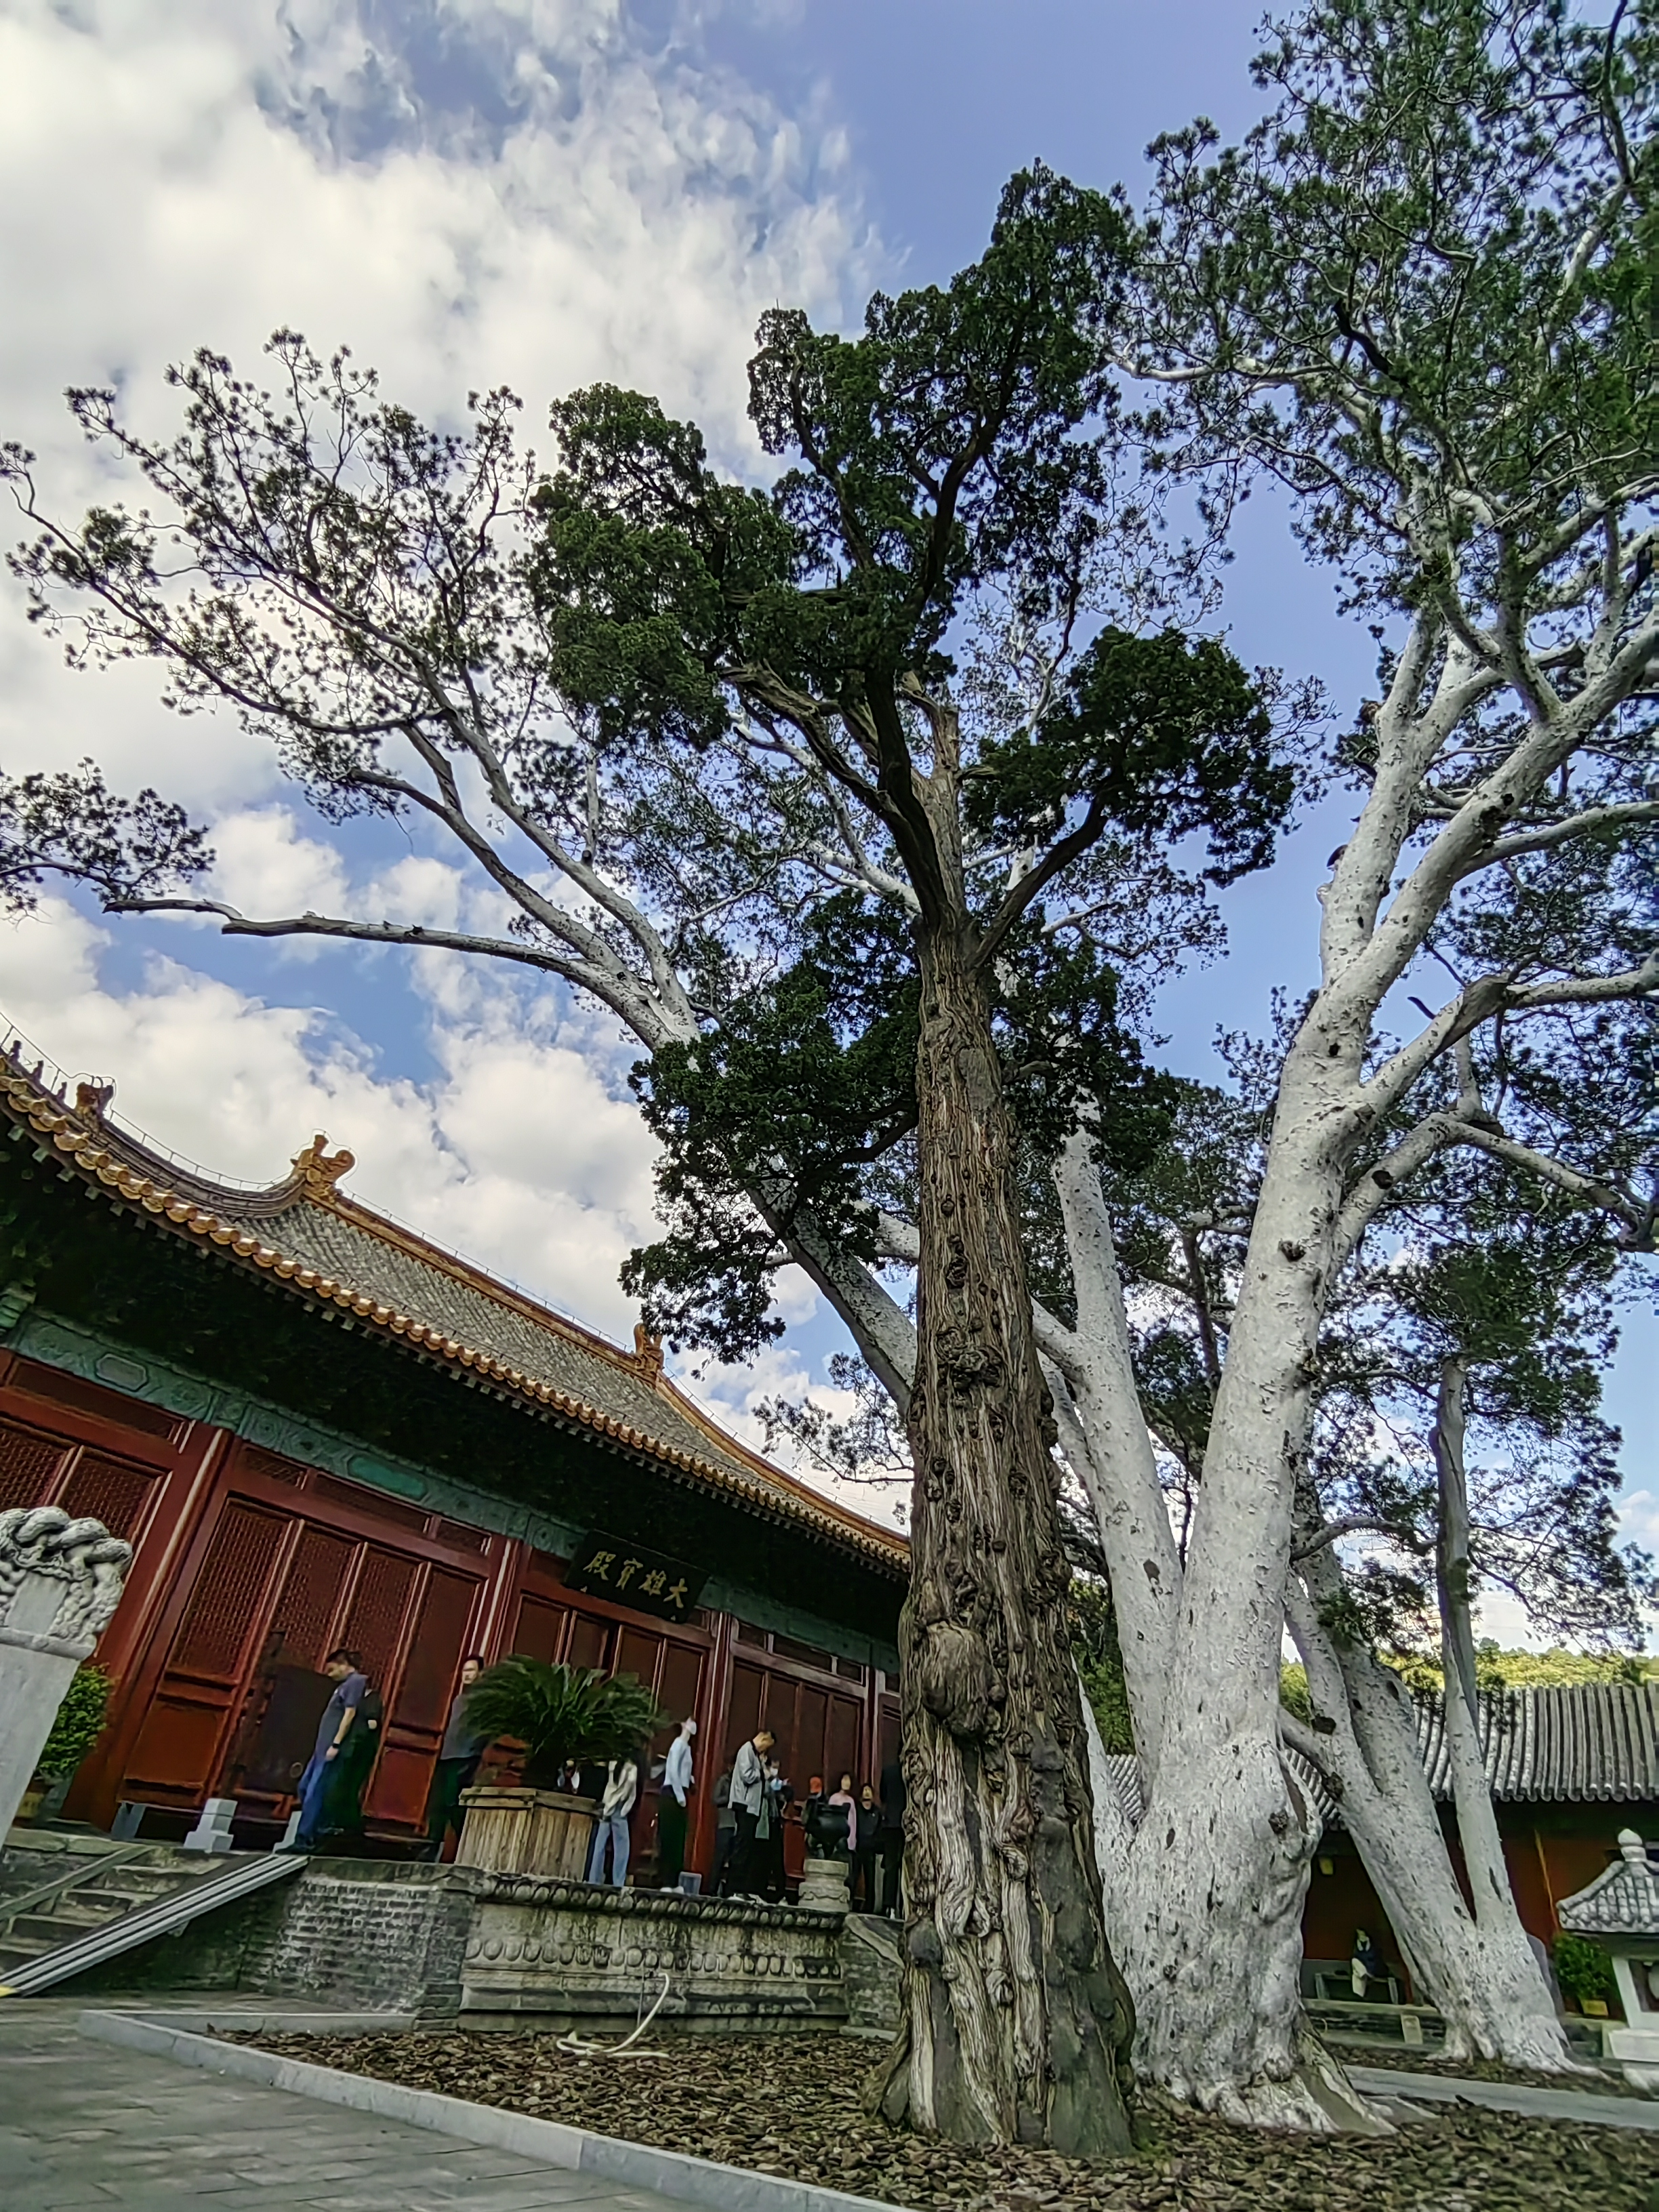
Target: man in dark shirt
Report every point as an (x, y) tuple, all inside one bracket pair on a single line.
[(458, 1762), (892, 1834), (344, 1670)]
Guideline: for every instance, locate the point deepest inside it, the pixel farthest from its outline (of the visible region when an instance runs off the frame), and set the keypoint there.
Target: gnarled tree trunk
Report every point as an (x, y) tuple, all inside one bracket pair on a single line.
[(1016, 2020)]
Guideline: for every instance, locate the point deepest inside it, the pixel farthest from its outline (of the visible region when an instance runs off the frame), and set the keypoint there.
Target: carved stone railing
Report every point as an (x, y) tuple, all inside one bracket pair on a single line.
[(570, 1952), (60, 1582)]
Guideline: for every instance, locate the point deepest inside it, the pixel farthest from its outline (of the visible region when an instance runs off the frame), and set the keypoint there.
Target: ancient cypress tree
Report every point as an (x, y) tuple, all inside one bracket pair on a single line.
[(963, 444)]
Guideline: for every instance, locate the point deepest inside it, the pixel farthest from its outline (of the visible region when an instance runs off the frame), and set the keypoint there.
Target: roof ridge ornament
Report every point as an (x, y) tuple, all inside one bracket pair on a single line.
[(92, 1100), (318, 1169), (647, 1353)]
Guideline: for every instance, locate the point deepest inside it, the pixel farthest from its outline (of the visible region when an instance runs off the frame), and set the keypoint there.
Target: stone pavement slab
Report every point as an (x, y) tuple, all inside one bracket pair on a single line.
[(85, 2127), (1583, 2105)]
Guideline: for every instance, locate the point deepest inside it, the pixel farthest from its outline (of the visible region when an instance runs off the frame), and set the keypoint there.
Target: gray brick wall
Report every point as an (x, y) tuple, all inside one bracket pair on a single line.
[(366, 1934), (369, 1935)]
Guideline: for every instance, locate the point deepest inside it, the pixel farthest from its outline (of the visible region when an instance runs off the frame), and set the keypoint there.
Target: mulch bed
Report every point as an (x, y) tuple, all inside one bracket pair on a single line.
[(789, 2105)]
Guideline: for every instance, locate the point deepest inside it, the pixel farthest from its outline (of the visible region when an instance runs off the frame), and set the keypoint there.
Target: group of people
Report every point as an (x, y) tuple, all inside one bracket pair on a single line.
[(619, 1794), (865, 1828), (866, 1825)]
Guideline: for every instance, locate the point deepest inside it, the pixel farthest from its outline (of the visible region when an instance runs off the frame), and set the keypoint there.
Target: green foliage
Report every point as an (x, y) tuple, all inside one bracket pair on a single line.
[(1583, 1968), (714, 711), (73, 825), (562, 1715), (1164, 733), (79, 1723), (1100, 1663), (1497, 1669), (1293, 1693), (1434, 258), (805, 1089)]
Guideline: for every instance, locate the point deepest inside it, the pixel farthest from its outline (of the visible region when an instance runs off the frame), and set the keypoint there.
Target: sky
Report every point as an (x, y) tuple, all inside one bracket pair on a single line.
[(540, 193)]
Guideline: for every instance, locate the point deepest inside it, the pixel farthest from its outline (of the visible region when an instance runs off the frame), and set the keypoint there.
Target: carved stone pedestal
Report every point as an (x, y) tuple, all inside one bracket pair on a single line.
[(537, 1831), (824, 1886), (60, 1580)]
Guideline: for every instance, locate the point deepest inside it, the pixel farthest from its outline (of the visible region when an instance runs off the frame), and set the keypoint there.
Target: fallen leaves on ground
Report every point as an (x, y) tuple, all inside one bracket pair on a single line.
[(790, 2104)]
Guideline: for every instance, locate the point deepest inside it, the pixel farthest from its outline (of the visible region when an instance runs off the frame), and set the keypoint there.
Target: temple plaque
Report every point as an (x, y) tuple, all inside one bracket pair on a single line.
[(605, 1566)]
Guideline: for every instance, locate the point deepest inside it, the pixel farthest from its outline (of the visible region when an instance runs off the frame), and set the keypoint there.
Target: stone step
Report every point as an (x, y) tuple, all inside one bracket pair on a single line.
[(124, 1896), (57, 1927), (17, 1948)]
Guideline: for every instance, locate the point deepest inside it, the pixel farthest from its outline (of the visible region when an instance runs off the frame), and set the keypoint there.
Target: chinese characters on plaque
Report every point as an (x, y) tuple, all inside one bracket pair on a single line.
[(604, 1566)]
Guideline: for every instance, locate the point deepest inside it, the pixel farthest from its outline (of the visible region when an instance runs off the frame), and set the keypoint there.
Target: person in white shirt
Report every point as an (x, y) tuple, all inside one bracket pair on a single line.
[(670, 1807), (621, 1788), (748, 1799)]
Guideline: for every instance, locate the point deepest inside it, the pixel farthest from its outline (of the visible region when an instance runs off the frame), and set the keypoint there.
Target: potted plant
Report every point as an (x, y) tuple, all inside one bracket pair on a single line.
[(79, 1725), (1585, 1973), (565, 1718)]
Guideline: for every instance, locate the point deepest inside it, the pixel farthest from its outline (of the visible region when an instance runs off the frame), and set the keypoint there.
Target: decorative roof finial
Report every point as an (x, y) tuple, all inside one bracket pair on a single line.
[(648, 1352), (92, 1100), (318, 1169)]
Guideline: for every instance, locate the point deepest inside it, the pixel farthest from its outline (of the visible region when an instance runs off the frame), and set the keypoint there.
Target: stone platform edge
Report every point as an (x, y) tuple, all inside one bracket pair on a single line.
[(609, 2158)]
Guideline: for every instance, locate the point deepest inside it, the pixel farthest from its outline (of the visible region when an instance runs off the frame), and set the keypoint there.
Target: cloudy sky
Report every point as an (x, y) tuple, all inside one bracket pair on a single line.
[(534, 192)]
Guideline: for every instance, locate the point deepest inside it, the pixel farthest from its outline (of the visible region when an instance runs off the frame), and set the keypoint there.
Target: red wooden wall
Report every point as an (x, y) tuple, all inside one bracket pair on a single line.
[(247, 1564)]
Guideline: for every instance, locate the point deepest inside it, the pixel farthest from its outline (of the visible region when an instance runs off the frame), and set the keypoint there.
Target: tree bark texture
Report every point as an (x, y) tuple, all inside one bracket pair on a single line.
[(1220, 1868), (1532, 2036), (1017, 2022)]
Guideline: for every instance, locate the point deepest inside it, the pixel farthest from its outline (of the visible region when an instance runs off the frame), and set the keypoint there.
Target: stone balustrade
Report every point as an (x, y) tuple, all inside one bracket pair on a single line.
[(565, 1953)]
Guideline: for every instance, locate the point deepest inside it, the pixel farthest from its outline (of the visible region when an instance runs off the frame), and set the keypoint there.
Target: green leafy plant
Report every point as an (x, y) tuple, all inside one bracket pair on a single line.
[(79, 1725), (562, 1715), (1584, 1969)]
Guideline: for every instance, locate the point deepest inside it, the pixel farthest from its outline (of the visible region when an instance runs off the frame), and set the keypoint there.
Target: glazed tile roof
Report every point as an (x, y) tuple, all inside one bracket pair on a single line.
[(1623, 1901), (1587, 1742), (307, 1233)]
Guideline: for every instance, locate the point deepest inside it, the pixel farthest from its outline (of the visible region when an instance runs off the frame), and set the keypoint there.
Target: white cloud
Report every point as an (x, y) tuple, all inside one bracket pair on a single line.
[(516, 1154), (266, 864), (467, 194)]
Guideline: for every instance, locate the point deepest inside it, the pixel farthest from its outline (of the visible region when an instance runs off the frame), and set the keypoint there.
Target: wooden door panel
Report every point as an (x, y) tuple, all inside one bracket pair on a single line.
[(811, 1725), (227, 1607), (744, 1712), (840, 1750), (176, 1756), (433, 1668), (380, 1604), (590, 1640), (397, 1788), (541, 1626), (30, 1465), (638, 1653), (302, 1626), (679, 1690), (111, 1490)]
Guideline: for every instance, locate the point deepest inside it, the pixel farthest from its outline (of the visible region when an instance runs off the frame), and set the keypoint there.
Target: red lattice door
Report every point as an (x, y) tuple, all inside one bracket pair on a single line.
[(185, 1733)]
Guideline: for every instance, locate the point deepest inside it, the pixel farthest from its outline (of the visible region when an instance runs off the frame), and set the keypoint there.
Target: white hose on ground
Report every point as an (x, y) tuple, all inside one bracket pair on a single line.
[(582, 2046)]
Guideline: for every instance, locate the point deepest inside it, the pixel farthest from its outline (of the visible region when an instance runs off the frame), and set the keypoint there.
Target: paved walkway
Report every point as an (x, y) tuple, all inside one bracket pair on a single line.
[(1580, 2105), (84, 2125)]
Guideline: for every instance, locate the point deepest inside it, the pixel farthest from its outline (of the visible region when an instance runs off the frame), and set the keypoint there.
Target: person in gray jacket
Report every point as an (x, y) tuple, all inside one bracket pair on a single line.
[(457, 1764), (748, 1798)]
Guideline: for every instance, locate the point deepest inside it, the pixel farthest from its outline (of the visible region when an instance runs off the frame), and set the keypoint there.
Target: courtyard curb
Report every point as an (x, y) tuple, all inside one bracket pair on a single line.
[(1521, 2097), (631, 2166)]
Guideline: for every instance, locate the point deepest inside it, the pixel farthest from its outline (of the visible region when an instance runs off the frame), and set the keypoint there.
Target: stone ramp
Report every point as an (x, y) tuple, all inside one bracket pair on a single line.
[(98, 1907)]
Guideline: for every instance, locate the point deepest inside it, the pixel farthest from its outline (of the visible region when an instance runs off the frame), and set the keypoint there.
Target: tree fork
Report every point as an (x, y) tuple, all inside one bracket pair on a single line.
[(1017, 2024)]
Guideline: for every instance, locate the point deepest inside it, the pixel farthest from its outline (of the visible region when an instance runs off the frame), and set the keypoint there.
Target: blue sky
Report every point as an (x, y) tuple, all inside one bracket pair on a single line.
[(537, 191)]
